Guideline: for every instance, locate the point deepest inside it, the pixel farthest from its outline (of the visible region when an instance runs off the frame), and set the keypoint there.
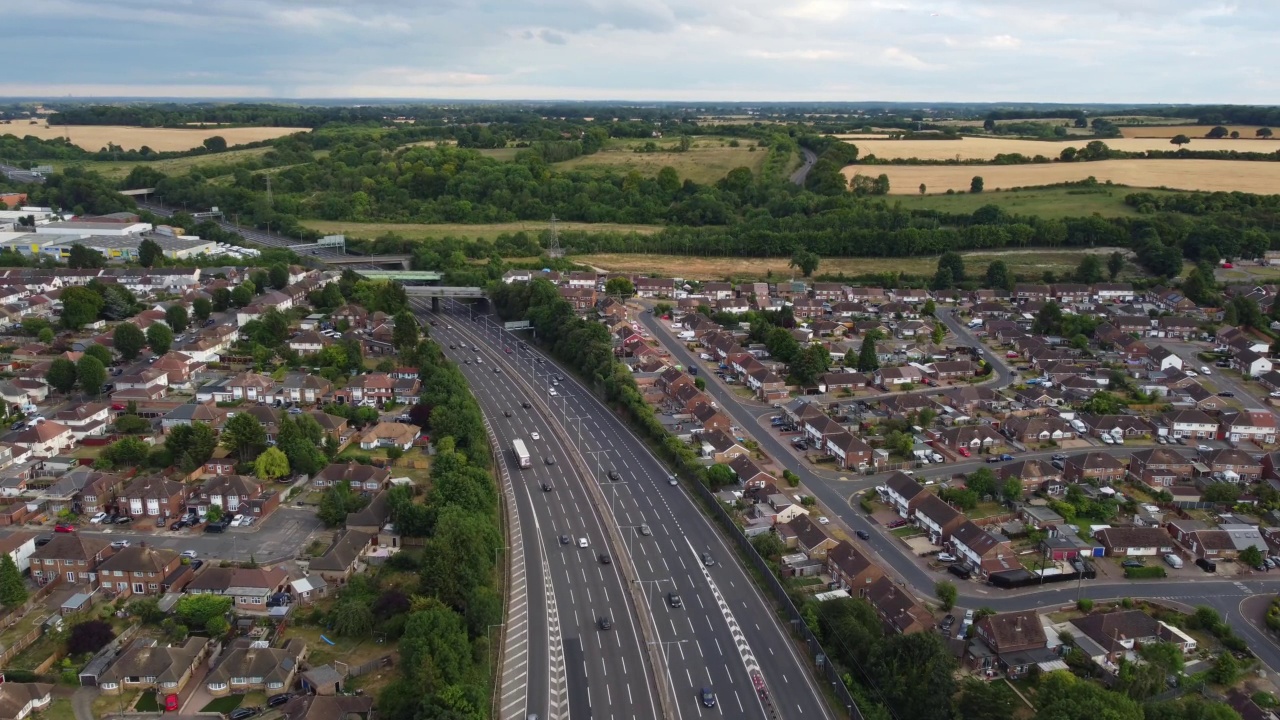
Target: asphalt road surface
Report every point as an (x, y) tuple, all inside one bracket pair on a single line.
[(726, 635), (810, 158)]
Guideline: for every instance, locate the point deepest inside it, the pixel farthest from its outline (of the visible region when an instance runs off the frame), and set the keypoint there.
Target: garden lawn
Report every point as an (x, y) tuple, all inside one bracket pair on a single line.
[(223, 704)]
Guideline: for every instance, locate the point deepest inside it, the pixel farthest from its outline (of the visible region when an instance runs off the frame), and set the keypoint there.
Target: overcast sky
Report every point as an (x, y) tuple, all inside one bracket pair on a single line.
[(1124, 51)]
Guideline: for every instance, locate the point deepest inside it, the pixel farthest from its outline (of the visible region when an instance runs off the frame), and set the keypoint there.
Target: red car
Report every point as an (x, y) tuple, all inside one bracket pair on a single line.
[(64, 528), (963, 451), (508, 350), (171, 703)]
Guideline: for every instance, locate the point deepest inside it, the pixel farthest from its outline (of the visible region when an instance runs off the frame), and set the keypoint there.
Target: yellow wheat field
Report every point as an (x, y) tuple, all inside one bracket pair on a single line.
[(96, 137), (1210, 175), (1191, 131), (986, 148)]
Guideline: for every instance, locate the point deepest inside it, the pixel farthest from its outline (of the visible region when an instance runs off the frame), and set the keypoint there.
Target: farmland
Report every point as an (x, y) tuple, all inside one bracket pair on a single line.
[(96, 137), (489, 231), (1191, 131), (116, 170), (708, 160), (1024, 262), (1045, 202), (986, 148), (1208, 175)]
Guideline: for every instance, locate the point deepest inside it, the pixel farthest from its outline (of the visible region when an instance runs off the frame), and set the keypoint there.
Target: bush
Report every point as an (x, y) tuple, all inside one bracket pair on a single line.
[(1143, 573), (89, 637), (1084, 605)]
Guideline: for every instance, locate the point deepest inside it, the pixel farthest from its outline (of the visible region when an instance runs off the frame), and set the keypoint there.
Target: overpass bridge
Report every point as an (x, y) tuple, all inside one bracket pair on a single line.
[(345, 260), (435, 292)]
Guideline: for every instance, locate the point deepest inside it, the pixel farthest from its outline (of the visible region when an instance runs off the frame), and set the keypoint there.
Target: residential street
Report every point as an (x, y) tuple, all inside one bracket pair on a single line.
[(835, 494)]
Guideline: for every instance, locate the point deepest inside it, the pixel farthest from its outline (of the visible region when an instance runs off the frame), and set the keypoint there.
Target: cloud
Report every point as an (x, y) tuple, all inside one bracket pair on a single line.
[(750, 50)]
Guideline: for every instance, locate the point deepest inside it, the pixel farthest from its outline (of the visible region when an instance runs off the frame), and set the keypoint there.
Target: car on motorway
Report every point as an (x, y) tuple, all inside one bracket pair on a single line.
[(673, 599), (497, 370), (862, 534), (64, 528), (708, 560), (534, 436), (97, 519), (644, 530), (506, 413), (549, 459), (546, 487), (565, 539), (672, 480), (525, 405), (582, 542), (466, 362), (453, 347), (708, 697), (552, 392), (604, 622), (605, 559), (614, 476)]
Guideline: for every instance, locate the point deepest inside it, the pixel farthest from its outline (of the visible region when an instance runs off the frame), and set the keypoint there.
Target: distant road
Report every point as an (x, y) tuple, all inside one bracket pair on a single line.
[(810, 157), (19, 175)]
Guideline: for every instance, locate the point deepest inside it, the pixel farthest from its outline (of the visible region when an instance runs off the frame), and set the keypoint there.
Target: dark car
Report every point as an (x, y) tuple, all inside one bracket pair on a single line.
[(673, 599), (959, 572), (708, 560), (123, 520), (1226, 393), (863, 534), (525, 405), (605, 623), (17, 426), (614, 476), (506, 413), (605, 559), (282, 698), (708, 697), (550, 460), (1131, 563), (546, 487), (279, 599), (214, 528), (565, 540), (242, 713), (1207, 565), (946, 624), (177, 525)]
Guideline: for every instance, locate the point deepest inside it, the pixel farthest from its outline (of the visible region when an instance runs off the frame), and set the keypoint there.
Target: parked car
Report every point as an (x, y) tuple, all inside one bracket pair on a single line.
[(64, 528), (964, 452), (1207, 565), (97, 519), (242, 713), (190, 554), (282, 698), (1131, 563), (947, 623), (946, 557), (959, 572)]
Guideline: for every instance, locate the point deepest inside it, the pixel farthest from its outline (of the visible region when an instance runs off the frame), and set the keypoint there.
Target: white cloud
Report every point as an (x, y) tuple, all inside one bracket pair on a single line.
[(910, 50)]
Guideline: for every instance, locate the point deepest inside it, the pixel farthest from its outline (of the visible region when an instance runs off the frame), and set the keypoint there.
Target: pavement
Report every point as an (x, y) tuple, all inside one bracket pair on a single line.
[(726, 636), (891, 554)]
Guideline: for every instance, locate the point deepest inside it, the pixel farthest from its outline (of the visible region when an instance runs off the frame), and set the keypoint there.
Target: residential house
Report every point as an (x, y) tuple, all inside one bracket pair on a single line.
[(360, 477), (974, 438), (891, 378), (250, 386), (390, 434), (1036, 475), (1160, 358), (937, 518), (897, 609), (251, 588), (71, 558), (749, 473), (153, 496), (850, 569), (1251, 362), (19, 546), (1123, 632), (952, 370), (903, 493), (721, 447), (1192, 424), (146, 665), (19, 699), (1098, 467), (45, 439), (1210, 544), (247, 667), (86, 420), (304, 388), (1017, 640), (308, 342), (1134, 541), (850, 452), (139, 570), (370, 389), (1032, 429), (343, 557), (1233, 465), (1258, 426), (810, 538), (981, 549), (1159, 467)]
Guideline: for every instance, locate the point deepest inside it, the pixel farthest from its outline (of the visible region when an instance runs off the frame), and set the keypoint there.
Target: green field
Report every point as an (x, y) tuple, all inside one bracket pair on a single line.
[(708, 160), (1047, 202), (487, 231), (117, 170)]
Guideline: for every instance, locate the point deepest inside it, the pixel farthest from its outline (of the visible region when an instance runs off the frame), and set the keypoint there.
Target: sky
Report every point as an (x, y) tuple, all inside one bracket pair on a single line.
[(1118, 51)]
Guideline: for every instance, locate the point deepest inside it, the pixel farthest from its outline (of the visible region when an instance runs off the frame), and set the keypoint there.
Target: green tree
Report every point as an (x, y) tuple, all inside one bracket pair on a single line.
[(1049, 320), (1115, 263), (13, 591), (150, 254), (80, 306), (196, 610), (241, 296), (91, 374), (62, 375), (46, 336), (976, 184), (176, 317), (946, 592), (244, 436), (980, 700), (998, 275), (915, 674), (271, 464), (82, 257), (1089, 270), (1263, 132), (352, 618), (405, 334), (782, 345), (191, 446), (100, 352), (435, 642), (719, 475), (950, 271), (278, 276), (1102, 403), (812, 362), (1217, 132), (128, 340), (768, 545), (203, 308), (216, 143), (1251, 556), (805, 261), (1063, 696), (221, 299), (868, 361), (619, 287), (1226, 670), (1011, 490), (1179, 140), (159, 338)]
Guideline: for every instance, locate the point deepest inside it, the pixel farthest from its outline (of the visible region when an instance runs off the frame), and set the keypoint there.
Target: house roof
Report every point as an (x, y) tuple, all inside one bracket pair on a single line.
[(353, 472), (326, 707), (808, 533), (904, 485), (1129, 537), (71, 546), (344, 551), (147, 659), (849, 559), (15, 696), (1108, 629), (270, 664), (138, 559), (1013, 629)]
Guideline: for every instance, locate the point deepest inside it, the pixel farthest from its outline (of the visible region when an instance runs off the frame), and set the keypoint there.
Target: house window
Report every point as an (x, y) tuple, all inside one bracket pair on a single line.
[(274, 685), (138, 588), (239, 680), (154, 587), (71, 577), (122, 586), (214, 686), (110, 686)]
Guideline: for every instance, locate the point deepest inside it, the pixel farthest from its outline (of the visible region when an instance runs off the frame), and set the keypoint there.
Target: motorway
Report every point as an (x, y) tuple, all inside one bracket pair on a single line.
[(1223, 595), (726, 635)]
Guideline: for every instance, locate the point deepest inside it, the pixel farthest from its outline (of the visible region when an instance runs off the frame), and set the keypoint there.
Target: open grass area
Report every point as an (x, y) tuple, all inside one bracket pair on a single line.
[(59, 709), (147, 702), (223, 704), (708, 160), (1047, 202), (1023, 262), (173, 166), (347, 650), (1209, 175), (986, 148), (97, 137), (487, 231)]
